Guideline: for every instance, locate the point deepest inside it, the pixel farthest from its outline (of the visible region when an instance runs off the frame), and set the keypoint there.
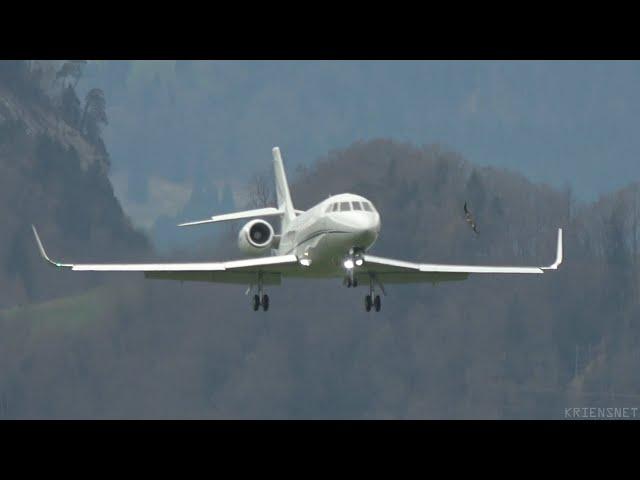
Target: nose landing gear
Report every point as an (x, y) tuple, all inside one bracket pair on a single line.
[(352, 260)]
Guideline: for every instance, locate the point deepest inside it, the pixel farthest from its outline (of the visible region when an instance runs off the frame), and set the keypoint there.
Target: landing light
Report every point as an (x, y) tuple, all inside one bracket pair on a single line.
[(305, 262), (359, 262), (348, 264)]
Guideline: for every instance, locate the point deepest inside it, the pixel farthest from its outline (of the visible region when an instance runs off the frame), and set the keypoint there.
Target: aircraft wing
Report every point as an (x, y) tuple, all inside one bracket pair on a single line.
[(387, 270), (245, 271)]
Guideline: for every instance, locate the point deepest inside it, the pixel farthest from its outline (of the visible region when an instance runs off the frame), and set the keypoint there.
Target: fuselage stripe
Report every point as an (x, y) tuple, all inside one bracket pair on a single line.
[(312, 236)]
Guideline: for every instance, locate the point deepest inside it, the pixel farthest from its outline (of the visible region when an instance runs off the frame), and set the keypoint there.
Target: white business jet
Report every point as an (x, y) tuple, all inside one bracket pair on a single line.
[(331, 240)]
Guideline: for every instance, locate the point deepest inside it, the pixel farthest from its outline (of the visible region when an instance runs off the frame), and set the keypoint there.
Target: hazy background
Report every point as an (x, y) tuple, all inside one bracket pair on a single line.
[(106, 157), (553, 121)]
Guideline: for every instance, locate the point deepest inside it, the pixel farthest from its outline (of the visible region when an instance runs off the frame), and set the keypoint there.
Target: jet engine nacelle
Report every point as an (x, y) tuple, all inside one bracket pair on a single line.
[(256, 237)]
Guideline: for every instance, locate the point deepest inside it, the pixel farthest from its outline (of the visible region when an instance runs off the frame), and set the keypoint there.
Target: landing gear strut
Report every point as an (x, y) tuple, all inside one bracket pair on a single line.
[(372, 299), (261, 298), (353, 259)]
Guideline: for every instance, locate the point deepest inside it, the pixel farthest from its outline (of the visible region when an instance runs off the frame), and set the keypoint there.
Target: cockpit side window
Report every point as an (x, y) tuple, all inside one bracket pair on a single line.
[(335, 207), (345, 206), (356, 205), (329, 208), (367, 206)]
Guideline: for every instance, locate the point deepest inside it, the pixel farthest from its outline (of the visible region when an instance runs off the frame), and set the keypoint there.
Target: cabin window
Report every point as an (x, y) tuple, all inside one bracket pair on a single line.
[(356, 205), (367, 206), (345, 206)]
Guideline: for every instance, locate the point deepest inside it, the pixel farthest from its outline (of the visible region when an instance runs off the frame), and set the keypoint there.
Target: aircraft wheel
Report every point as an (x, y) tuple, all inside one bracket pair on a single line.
[(355, 282), (265, 302), (376, 303), (348, 282), (256, 303), (367, 303)]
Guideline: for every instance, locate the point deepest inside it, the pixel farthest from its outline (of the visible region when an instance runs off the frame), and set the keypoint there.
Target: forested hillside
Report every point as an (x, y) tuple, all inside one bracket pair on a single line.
[(489, 347), (554, 121), (173, 123), (53, 173)]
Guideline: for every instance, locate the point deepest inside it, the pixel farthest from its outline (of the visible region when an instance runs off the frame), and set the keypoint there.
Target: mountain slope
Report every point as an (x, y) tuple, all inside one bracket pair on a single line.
[(51, 175), (489, 347)]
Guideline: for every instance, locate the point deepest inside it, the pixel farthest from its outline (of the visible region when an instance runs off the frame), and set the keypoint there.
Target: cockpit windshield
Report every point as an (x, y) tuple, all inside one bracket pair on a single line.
[(348, 206)]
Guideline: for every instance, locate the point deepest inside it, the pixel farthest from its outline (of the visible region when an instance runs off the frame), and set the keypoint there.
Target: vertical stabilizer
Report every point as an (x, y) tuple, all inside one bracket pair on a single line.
[(282, 189)]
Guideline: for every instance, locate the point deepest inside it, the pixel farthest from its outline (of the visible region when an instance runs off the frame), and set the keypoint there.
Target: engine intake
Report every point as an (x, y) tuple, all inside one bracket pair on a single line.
[(256, 237)]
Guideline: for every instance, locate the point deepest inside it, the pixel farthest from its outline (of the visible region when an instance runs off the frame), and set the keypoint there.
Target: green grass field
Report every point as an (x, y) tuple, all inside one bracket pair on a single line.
[(71, 312)]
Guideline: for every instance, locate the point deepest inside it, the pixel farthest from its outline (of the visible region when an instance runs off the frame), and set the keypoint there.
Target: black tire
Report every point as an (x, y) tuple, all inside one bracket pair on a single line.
[(355, 282), (348, 282), (377, 304), (367, 303), (265, 302), (256, 303)]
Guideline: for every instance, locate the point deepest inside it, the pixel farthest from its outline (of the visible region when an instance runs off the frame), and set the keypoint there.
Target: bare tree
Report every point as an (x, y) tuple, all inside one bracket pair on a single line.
[(261, 192)]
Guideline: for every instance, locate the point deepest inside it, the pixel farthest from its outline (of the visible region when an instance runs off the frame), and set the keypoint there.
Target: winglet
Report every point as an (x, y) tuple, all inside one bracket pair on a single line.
[(558, 261), (43, 254)]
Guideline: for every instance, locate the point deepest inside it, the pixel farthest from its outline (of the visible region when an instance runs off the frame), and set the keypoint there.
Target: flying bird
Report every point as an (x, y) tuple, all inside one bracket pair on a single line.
[(469, 219)]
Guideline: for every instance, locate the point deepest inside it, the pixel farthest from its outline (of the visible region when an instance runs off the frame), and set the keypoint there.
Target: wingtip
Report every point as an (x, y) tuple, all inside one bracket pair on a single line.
[(559, 253), (43, 253)]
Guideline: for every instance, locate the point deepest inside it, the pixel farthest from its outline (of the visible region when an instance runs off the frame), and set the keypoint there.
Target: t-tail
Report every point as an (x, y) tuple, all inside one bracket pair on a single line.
[(284, 210)]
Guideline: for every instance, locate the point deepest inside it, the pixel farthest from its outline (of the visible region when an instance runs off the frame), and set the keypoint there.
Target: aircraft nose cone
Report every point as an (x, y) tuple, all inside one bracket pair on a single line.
[(366, 228)]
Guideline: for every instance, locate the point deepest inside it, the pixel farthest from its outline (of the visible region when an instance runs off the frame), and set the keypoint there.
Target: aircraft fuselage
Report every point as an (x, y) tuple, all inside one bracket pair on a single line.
[(327, 233)]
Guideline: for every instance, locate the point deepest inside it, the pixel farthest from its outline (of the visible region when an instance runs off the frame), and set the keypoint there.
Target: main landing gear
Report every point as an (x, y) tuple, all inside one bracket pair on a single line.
[(260, 301), (372, 300), (261, 298)]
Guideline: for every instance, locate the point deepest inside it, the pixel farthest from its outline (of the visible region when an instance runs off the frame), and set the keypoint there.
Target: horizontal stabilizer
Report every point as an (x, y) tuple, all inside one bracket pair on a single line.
[(259, 212)]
